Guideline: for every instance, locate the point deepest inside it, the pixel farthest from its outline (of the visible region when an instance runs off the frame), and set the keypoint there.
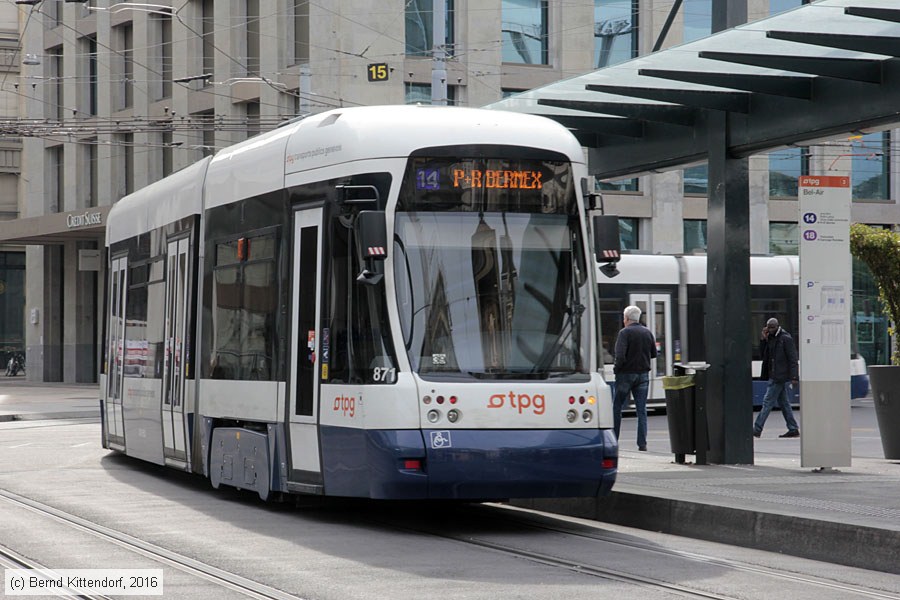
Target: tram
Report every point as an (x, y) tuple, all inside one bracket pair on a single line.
[(380, 302), (671, 292)]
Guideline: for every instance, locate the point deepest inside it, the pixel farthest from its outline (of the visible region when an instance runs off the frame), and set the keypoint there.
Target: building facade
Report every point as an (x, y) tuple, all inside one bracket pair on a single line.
[(12, 256), (112, 97)]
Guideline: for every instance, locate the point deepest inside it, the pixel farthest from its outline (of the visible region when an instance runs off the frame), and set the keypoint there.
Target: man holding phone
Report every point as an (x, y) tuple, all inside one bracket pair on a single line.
[(780, 367)]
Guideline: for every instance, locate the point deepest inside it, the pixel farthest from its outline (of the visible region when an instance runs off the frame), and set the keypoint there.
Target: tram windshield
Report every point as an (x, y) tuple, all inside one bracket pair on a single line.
[(489, 267)]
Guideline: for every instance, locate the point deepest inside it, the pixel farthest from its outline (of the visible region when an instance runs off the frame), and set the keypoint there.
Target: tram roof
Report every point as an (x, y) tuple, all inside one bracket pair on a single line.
[(663, 269), (347, 135), (813, 73), (165, 201)]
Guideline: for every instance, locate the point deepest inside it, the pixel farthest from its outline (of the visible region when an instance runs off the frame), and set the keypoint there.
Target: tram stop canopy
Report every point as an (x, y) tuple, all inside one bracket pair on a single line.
[(817, 72), (807, 74)]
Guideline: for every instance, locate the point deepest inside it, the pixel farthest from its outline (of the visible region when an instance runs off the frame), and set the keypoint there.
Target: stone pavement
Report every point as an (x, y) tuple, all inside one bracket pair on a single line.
[(21, 400), (847, 516)]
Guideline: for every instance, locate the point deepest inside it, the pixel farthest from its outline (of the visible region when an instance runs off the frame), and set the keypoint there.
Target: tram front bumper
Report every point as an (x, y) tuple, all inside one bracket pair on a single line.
[(492, 464)]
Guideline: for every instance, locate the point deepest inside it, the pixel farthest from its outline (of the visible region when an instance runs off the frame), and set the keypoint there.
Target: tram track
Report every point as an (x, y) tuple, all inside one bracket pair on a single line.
[(13, 560), (693, 556), (225, 579), (518, 518), (483, 526)]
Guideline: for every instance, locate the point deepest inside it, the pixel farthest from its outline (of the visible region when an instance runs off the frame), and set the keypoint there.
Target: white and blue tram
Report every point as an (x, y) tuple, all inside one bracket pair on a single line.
[(383, 302), (671, 291)]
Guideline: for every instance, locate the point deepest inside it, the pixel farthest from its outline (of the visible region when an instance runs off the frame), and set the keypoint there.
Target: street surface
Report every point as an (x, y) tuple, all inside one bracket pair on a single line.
[(342, 549)]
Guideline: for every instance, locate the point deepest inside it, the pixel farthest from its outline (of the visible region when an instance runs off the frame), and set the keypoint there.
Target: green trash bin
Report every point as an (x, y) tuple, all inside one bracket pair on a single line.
[(680, 413)]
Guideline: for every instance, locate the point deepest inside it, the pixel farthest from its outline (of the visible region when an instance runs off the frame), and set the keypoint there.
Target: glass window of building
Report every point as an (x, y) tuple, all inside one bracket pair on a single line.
[(56, 104), (208, 31), (420, 93), (784, 238), (524, 29), (628, 233), (93, 172), (52, 14), (167, 154), (870, 170), (785, 168), (125, 67), (618, 185), (615, 31), (420, 27), (162, 34), (252, 37), (12, 304), (125, 162), (56, 182), (87, 93), (778, 6), (871, 325), (301, 32), (694, 235), (207, 122), (697, 19), (696, 180)]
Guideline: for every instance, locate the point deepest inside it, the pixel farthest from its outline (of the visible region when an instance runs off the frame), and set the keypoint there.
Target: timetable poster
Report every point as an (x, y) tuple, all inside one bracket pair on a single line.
[(824, 337)]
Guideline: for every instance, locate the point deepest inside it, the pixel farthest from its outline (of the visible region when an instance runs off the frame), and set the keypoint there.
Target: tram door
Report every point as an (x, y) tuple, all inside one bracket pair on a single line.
[(115, 351), (177, 289), (305, 344), (656, 314)]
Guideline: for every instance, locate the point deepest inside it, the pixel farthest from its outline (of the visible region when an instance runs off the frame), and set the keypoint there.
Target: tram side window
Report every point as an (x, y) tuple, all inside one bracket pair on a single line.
[(114, 352), (359, 351), (144, 317), (135, 361), (245, 301), (610, 324)]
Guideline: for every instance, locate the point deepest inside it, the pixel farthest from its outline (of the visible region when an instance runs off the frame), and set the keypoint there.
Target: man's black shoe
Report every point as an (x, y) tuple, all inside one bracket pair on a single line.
[(757, 433), (790, 433), (642, 448)]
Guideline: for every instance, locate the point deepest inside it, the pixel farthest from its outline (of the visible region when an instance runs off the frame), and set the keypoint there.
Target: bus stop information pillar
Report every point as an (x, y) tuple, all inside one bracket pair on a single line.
[(824, 344)]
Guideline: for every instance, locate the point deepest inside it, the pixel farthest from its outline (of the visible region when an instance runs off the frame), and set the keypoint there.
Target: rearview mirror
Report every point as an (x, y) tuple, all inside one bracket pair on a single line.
[(371, 237), (607, 244)]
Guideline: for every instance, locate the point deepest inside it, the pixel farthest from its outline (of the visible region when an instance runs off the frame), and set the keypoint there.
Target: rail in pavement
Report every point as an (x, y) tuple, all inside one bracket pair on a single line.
[(848, 516)]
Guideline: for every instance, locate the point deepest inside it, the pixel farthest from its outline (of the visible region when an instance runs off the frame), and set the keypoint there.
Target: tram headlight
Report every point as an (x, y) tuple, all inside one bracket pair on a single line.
[(586, 416), (572, 415), (453, 415), (433, 416)]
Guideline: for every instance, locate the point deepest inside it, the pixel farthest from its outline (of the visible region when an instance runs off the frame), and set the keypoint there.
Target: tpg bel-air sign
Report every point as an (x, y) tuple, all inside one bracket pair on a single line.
[(86, 219)]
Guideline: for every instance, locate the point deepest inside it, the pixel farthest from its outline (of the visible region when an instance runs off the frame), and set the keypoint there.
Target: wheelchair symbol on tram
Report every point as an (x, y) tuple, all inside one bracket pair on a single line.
[(440, 439)]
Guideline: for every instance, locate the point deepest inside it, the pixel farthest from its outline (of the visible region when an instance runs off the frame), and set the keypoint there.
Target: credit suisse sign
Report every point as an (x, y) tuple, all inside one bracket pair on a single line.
[(86, 219)]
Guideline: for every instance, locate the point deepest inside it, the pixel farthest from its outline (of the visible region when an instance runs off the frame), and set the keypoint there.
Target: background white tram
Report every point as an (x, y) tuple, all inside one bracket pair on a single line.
[(671, 290), (385, 302)]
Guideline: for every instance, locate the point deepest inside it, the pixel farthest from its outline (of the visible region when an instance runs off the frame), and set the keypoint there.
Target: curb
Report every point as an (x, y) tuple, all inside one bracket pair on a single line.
[(50, 416), (838, 543)]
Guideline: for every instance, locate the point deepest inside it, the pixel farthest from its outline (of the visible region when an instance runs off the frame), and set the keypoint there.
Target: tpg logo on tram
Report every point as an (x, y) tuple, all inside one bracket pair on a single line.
[(345, 405), (520, 402)]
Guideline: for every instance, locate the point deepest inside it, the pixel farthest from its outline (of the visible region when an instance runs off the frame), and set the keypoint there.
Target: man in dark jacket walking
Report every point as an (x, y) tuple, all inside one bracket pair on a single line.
[(779, 366), (635, 347)]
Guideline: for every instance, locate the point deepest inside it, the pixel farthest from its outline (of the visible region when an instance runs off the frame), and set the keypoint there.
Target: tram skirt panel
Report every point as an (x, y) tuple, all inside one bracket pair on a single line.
[(240, 458)]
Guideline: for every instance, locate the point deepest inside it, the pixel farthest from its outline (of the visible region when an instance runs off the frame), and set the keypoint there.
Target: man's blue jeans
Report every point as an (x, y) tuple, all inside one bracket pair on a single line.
[(638, 385), (776, 393)]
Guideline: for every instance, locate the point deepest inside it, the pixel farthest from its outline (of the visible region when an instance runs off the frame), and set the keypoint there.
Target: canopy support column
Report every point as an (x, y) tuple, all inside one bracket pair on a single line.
[(728, 336)]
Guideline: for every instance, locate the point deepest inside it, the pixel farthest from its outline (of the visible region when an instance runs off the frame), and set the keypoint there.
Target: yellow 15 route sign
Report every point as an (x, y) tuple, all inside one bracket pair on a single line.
[(378, 72)]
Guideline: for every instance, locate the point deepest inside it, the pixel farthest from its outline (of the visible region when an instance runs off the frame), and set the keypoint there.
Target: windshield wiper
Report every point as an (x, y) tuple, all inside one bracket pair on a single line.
[(573, 320)]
